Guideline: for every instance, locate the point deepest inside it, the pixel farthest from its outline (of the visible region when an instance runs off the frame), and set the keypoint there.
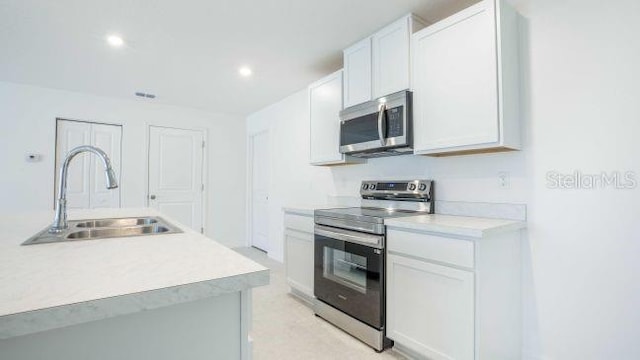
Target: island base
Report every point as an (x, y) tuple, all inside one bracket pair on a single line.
[(210, 328)]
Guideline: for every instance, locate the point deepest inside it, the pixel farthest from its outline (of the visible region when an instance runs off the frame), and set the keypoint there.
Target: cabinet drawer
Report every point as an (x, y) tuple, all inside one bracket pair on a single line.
[(446, 250), (299, 222)]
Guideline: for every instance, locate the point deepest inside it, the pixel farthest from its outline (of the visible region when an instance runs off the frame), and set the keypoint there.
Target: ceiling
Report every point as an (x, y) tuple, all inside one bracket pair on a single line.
[(187, 52)]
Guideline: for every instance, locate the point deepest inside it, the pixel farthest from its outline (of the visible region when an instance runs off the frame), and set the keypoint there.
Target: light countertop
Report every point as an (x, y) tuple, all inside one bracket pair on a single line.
[(300, 209), (455, 225), (47, 286), (331, 203), (467, 226), (308, 209), (304, 209)]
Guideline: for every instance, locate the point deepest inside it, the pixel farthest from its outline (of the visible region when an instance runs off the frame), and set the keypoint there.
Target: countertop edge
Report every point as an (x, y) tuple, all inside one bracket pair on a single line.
[(72, 314), (449, 230), (298, 210)]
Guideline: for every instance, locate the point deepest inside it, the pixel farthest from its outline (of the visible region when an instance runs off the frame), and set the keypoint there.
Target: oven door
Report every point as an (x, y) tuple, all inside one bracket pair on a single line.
[(349, 273)]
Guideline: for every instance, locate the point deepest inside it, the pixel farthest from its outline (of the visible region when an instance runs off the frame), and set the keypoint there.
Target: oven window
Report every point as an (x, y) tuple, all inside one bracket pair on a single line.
[(345, 268)]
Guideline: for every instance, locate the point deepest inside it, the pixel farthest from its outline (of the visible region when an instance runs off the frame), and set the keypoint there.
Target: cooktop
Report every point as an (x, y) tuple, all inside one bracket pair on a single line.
[(369, 214)]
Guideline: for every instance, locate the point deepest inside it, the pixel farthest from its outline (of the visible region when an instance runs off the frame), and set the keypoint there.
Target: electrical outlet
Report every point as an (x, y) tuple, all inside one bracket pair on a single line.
[(504, 181)]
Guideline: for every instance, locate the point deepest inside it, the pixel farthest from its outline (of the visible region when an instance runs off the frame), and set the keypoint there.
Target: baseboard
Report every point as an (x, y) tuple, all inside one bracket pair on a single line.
[(406, 352), (306, 298)]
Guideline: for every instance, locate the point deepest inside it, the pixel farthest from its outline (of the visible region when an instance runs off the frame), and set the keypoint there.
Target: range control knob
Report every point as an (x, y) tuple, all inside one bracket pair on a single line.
[(372, 187), (365, 186), (422, 187), (412, 187)]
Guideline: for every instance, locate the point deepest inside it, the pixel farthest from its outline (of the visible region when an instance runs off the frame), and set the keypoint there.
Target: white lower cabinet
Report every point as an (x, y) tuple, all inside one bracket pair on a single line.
[(452, 297), (298, 242), (430, 308)]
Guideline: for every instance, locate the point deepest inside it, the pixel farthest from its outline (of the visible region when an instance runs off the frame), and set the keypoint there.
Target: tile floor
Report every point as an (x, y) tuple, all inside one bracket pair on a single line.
[(284, 327)]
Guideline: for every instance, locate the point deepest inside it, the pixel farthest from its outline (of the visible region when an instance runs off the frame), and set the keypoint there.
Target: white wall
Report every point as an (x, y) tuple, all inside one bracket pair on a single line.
[(292, 180), (581, 80), (581, 111), (28, 122)]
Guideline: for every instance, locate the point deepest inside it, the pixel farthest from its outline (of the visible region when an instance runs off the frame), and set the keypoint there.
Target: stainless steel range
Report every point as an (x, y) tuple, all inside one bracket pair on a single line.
[(349, 252)]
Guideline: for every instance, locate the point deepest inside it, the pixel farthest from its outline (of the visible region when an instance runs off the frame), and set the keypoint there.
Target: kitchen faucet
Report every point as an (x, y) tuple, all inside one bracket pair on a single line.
[(60, 220)]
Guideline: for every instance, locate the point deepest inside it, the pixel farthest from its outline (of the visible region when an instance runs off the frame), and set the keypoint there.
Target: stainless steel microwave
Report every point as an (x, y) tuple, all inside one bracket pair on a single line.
[(378, 128)]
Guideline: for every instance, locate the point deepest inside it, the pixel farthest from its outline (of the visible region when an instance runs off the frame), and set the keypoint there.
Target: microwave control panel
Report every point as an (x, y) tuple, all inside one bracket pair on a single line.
[(395, 124)]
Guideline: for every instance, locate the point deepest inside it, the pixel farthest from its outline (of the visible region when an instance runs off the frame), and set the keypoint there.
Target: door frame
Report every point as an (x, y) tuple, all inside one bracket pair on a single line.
[(249, 204), (55, 153), (205, 167)]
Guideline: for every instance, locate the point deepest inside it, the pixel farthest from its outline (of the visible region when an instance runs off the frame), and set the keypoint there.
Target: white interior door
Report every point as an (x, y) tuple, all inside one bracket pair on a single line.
[(176, 181), (71, 134), (86, 187), (260, 191), (108, 138)]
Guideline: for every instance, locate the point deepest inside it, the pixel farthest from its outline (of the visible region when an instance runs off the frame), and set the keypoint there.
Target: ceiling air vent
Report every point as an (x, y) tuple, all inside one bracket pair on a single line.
[(145, 95)]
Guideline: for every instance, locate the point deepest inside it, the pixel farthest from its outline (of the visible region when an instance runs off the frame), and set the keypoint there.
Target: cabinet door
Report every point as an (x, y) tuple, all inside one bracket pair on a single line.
[(325, 103), (299, 260), (430, 308), (391, 58), (455, 81), (357, 73)]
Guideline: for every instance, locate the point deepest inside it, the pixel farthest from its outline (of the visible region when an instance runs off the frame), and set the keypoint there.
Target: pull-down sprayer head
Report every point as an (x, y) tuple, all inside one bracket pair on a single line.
[(60, 220), (112, 181)]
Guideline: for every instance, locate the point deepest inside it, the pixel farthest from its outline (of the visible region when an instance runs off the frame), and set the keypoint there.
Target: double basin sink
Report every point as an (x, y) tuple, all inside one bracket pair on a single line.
[(106, 228)]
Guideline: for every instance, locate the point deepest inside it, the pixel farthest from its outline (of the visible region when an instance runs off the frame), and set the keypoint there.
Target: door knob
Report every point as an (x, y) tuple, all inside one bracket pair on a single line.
[(152, 197)]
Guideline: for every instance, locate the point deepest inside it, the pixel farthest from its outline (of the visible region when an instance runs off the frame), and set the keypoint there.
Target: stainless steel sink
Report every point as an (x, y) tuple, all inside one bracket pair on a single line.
[(117, 222), (117, 232), (106, 228)]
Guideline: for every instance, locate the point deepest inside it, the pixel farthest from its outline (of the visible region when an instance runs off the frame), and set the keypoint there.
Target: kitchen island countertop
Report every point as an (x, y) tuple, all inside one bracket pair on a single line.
[(48, 286)]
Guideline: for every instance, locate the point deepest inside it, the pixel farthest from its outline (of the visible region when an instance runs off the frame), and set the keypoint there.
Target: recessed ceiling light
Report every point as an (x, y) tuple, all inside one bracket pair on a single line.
[(245, 71), (115, 40)]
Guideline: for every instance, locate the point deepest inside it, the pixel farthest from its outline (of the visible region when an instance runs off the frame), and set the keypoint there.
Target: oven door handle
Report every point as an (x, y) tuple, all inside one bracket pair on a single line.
[(375, 241), (382, 124)]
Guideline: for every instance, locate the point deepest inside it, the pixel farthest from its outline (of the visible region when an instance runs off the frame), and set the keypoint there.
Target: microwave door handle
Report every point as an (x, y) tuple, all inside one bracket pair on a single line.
[(382, 124)]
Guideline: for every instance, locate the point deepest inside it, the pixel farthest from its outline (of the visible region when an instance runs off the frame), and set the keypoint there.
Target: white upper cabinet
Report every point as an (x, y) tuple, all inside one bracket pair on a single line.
[(380, 64), (357, 73), (465, 82), (391, 60), (325, 104)]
